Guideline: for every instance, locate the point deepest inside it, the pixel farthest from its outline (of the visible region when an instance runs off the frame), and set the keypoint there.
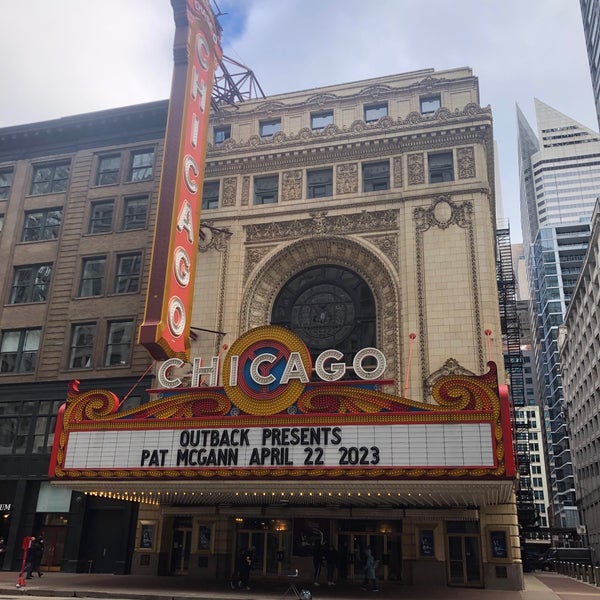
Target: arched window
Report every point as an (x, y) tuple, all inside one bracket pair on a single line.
[(328, 307)]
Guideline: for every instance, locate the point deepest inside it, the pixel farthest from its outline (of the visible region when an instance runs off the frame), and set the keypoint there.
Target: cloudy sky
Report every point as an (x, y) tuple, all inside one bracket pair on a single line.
[(65, 57)]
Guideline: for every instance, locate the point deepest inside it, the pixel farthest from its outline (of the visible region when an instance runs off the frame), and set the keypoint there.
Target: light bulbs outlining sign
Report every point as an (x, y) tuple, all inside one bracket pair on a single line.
[(266, 370), (165, 330)]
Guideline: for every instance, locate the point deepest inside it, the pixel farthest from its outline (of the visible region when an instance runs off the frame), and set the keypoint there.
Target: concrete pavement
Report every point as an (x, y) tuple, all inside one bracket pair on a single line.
[(538, 586)]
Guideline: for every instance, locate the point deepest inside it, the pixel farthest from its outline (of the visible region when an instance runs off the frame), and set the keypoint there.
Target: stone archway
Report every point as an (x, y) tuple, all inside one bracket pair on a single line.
[(287, 260)]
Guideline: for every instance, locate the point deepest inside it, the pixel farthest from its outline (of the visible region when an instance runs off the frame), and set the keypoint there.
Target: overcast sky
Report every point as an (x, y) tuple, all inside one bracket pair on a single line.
[(66, 57)]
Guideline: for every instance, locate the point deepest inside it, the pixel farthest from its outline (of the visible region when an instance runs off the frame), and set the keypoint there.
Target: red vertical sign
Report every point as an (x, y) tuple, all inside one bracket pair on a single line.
[(166, 326)]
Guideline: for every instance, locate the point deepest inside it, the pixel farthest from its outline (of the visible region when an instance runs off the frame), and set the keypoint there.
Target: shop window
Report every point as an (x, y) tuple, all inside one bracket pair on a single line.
[(374, 112), (376, 176), (50, 179), (109, 169), (319, 183), (266, 189), (30, 284), (441, 167), (41, 225), (92, 276), (210, 195), (19, 349)]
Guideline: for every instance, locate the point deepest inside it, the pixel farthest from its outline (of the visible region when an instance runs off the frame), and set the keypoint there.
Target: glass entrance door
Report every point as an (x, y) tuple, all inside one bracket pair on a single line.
[(180, 553), (464, 564)]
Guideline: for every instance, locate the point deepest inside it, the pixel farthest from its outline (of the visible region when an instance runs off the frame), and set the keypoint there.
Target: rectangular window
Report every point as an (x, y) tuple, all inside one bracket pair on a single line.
[(441, 167), (320, 120), (118, 343), (101, 217), (6, 178), (45, 424), (19, 350), (319, 184), (15, 422), (266, 189), (429, 104), (50, 179), (141, 165), (92, 276), (376, 176), (82, 346), (210, 194), (135, 213), (269, 128), (374, 112), (30, 284), (127, 278), (41, 225), (109, 168), (222, 133)]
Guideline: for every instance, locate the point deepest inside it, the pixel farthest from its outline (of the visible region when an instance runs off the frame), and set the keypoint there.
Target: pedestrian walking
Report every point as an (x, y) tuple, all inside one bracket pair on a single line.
[(369, 572), (34, 558), (241, 577), (2, 551), (317, 560)]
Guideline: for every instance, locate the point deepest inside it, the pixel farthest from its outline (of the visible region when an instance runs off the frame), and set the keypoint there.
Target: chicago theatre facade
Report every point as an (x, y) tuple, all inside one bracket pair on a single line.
[(342, 383), (342, 386)]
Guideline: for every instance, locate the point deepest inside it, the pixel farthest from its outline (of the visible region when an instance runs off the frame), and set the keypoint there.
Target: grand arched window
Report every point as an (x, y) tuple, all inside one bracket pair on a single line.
[(328, 307)]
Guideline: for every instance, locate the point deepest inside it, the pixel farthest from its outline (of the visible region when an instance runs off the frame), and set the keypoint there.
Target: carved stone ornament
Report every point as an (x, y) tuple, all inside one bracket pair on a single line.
[(466, 162), (442, 213), (416, 169), (212, 238), (388, 245), (450, 367), (245, 190), (346, 178), (397, 180), (229, 191), (292, 185)]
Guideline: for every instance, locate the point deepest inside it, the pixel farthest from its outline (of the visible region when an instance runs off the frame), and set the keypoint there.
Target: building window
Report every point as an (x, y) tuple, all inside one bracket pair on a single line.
[(376, 176), (222, 133), (30, 284), (374, 112), (101, 217), (135, 213), (141, 165), (1, 222), (6, 178), (266, 189), (441, 167), (127, 278), (109, 168), (319, 184), (269, 128), (50, 179), (82, 346), (429, 104), (92, 276), (45, 424), (210, 194), (19, 350), (320, 120), (41, 225), (118, 343)]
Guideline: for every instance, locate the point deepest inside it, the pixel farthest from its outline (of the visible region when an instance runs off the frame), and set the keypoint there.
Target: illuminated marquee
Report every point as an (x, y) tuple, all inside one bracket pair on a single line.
[(166, 326), (269, 419)]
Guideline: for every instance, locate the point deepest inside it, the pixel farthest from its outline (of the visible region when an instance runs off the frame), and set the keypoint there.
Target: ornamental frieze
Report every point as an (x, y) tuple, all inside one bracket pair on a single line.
[(346, 180), (229, 191), (466, 162), (319, 224), (292, 185), (416, 169)]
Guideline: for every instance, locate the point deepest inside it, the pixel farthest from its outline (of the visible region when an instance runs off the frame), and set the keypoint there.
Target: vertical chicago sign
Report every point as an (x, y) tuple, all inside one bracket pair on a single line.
[(196, 50)]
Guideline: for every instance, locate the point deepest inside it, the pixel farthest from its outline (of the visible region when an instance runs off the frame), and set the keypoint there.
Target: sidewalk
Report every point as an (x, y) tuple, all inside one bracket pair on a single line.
[(539, 586)]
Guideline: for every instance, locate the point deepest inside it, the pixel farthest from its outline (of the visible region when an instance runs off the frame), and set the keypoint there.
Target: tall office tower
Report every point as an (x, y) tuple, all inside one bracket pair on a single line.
[(590, 12), (559, 182)]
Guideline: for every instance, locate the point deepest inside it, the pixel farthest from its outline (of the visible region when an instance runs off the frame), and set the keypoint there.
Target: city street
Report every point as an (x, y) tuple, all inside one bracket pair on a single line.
[(539, 586)]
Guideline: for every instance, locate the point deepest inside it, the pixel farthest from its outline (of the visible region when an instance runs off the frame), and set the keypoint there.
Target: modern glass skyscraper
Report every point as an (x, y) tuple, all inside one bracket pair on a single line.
[(560, 179), (590, 13)]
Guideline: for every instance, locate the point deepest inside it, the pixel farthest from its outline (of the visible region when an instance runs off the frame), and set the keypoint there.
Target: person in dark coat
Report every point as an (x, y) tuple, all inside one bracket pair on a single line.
[(33, 558), (332, 562), (241, 577), (317, 560)]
